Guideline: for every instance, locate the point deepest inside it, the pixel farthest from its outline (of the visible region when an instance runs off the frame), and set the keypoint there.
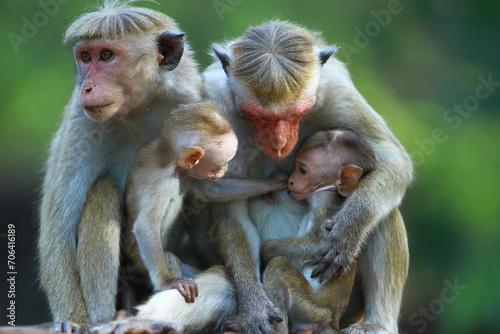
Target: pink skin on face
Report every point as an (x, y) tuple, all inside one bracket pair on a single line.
[(314, 169), (107, 87), (276, 129), (213, 165)]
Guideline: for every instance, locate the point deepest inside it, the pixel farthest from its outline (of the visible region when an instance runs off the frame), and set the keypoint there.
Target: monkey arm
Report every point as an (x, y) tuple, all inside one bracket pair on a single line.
[(377, 194), (224, 190), (296, 249), (154, 200), (238, 244), (67, 181), (148, 239)]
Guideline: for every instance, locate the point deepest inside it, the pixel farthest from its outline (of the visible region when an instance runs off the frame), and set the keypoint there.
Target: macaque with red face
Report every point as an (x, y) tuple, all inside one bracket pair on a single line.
[(196, 142), (282, 84)]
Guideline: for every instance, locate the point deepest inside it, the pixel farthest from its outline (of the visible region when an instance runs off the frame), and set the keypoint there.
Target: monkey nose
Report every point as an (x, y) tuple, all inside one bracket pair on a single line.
[(290, 183)]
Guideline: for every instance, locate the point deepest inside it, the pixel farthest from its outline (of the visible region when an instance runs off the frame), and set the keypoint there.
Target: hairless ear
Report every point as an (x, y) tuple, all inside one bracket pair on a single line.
[(170, 48), (222, 55), (190, 157), (347, 179), (327, 53)]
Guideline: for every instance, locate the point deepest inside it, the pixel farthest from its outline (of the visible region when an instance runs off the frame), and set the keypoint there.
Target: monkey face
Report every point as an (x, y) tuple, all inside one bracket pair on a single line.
[(116, 80), (213, 164), (276, 128), (314, 168), (103, 68)]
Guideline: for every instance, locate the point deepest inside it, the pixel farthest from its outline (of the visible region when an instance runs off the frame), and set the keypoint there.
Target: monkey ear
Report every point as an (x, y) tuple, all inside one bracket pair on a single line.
[(347, 179), (190, 157), (327, 53), (222, 55), (170, 48)]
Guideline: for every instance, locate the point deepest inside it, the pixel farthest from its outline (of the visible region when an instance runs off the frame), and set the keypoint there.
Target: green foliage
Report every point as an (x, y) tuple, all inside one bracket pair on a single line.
[(414, 69)]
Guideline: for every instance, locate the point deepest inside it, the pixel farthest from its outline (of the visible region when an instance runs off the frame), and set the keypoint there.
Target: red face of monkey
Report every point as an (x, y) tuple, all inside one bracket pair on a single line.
[(276, 129)]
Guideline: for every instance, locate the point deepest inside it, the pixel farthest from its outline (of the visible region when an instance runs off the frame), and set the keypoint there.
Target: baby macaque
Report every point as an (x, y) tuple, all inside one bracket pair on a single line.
[(196, 142), (328, 166)]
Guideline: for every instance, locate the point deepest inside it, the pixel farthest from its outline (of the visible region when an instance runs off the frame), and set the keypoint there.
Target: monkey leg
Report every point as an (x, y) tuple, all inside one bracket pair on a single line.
[(336, 293), (383, 268), (98, 249), (292, 294)]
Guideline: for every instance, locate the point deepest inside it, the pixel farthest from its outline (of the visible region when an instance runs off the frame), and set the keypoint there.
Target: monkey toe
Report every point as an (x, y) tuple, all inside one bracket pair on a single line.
[(67, 327)]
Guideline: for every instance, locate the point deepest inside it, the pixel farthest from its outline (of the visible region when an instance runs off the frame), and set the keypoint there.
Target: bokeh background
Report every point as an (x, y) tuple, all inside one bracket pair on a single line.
[(431, 68)]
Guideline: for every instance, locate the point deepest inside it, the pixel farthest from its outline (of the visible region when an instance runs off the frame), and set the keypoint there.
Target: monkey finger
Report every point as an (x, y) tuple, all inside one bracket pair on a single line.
[(233, 324), (194, 291), (181, 290), (323, 269), (329, 225), (276, 316), (336, 270), (187, 293), (67, 327)]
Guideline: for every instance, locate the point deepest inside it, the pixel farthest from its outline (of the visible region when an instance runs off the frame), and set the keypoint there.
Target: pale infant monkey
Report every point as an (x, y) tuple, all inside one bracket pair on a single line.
[(328, 167), (196, 142)]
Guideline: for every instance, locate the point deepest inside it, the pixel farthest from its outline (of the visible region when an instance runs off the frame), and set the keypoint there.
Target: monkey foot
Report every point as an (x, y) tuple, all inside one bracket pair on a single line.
[(138, 326), (67, 327)]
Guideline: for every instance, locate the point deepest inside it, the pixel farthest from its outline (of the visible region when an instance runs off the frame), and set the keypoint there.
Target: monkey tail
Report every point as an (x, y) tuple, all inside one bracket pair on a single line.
[(216, 302)]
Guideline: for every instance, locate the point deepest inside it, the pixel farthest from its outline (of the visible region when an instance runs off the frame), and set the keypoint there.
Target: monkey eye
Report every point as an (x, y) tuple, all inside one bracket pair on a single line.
[(86, 57), (106, 55), (303, 169)]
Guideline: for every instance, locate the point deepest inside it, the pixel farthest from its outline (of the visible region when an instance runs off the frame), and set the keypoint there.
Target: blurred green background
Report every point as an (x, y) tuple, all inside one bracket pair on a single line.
[(430, 68)]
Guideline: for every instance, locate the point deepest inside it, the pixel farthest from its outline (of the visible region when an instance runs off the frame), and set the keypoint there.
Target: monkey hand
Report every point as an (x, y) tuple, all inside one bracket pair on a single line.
[(279, 180), (256, 315), (67, 327), (334, 258), (138, 326), (233, 325), (186, 286)]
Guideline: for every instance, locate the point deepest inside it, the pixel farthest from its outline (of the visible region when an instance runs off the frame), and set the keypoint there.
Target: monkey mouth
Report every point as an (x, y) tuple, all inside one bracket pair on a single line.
[(89, 108), (300, 194)]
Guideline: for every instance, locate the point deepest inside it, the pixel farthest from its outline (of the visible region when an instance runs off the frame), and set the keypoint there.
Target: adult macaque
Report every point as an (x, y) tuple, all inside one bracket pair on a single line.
[(328, 167), (133, 69), (281, 85), (196, 141)]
